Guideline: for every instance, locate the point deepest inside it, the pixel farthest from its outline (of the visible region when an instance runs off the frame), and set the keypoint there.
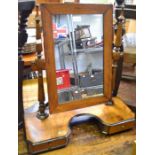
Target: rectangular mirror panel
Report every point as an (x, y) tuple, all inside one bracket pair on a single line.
[(78, 49)]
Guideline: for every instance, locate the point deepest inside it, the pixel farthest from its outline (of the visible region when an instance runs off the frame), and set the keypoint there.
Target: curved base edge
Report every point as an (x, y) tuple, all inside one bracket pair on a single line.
[(53, 132), (60, 142)]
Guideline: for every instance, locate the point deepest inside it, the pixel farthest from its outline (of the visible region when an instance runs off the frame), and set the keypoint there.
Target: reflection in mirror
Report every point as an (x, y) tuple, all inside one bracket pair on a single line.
[(78, 41)]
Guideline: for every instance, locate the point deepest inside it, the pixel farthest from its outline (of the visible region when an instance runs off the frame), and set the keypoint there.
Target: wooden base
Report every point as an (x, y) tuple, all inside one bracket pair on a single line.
[(53, 132)]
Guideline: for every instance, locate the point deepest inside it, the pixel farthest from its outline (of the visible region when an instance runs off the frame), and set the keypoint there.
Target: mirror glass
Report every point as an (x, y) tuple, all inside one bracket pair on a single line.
[(78, 48)]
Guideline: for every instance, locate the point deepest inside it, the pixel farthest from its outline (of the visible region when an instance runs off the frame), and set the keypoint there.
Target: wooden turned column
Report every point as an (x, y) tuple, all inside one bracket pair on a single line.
[(41, 114), (24, 10), (118, 48)]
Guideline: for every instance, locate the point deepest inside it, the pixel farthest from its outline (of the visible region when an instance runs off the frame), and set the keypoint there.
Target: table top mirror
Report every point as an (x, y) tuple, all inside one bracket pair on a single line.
[(78, 54)]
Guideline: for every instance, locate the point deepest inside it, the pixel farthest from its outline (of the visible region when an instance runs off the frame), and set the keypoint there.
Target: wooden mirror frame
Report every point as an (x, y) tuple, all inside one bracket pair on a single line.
[(47, 11)]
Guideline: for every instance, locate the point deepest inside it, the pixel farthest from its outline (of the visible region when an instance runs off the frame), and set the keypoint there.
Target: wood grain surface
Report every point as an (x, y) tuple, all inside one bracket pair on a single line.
[(85, 138), (56, 125)]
